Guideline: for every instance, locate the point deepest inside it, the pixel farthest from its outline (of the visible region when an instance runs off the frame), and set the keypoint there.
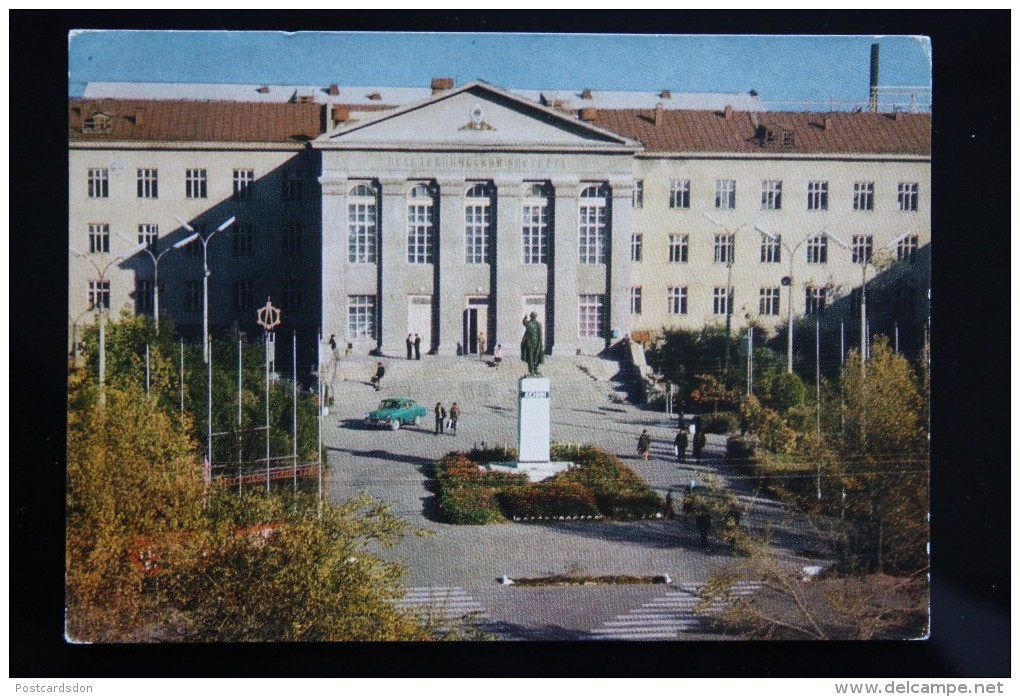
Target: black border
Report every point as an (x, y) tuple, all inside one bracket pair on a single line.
[(970, 522)]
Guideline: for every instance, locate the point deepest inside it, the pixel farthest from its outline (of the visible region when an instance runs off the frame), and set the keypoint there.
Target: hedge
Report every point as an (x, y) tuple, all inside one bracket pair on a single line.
[(721, 422)]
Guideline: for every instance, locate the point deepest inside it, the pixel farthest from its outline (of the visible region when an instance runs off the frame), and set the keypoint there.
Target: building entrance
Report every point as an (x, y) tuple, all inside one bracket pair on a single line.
[(476, 320), (419, 319)]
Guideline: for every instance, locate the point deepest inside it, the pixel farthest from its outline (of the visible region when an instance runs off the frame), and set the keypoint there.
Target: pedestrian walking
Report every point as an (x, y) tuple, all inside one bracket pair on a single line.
[(332, 347), (380, 370), (669, 513), (696, 507), (417, 347), (644, 444), (497, 355), (350, 347), (440, 417), (680, 445), (454, 417), (410, 346), (698, 445)]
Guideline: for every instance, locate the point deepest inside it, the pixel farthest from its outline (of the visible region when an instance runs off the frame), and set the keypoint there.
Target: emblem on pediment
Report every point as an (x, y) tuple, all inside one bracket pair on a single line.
[(477, 122)]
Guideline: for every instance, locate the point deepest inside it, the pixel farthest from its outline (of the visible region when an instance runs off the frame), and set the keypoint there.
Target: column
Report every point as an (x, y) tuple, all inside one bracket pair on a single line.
[(506, 295), (449, 292), (563, 292), (619, 268), (393, 263), (334, 254)]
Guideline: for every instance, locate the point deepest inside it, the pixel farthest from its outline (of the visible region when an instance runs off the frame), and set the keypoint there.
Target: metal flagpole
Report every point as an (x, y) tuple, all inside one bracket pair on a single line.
[(182, 375), (267, 412), (896, 334), (146, 370), (818, 397), (842, 343), (208, 404), (293, 359), (239, 415), (750, 358), (318, 375)]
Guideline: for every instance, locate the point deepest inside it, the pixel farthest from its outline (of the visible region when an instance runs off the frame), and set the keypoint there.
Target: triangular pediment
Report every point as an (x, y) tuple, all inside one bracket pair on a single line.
[(476, 115)]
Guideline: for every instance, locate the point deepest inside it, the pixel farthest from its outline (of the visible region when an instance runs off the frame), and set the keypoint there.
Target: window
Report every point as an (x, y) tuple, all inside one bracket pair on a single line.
[(291, 187), (195, 183), (906, 249), (679, 193), (724, 248), (243, 180), (768, 301), (771, 249), (193, 295), (244, 295), (861, 246), (678, 249), (99, 238), (906, 196), (818, 250), (771, 195), (636, 246), (244, 240), (905, 302), (720, 306), (635, 300), (818, 196), (293, 294), (814, 301), (361, 225), (148, 183), (99, 295), (361, 316), (676, 299), (148, 233), (99, 183), (726, 193), (477, 221), (144, 297), (419, 225), (535, 226), (592, 225), (590, 318), (864, 196), (290, 240), (638, 197)]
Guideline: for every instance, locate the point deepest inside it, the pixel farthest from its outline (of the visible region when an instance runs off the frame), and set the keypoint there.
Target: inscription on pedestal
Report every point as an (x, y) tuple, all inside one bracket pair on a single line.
[(533, 416)]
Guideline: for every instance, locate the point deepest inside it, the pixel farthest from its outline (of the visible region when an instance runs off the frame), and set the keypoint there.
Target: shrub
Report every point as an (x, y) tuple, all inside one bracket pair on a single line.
[(630, 504), (721, 422), (467, 495), (550, 500), (739, 448)]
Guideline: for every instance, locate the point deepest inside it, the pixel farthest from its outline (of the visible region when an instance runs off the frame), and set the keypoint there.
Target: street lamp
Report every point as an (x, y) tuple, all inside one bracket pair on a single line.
[(864, 261), (98, 298), (729, 282), (205, 275), (147, 248)]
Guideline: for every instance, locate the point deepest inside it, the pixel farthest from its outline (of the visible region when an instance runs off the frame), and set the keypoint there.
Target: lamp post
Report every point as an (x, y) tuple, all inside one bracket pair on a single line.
[(730, 244), (147, 248), (206, 273), (864, 261), (100, 292)]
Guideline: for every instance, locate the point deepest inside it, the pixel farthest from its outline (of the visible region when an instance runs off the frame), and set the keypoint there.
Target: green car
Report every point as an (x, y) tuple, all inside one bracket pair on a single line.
[(396, 412)]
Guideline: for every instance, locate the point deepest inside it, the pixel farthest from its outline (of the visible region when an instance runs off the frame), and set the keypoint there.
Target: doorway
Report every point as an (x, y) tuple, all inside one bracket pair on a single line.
[(419, 319), (476, 321)]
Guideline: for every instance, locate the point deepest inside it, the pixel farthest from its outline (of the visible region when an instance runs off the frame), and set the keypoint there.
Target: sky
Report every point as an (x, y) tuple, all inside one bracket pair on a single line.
[(781, 68)]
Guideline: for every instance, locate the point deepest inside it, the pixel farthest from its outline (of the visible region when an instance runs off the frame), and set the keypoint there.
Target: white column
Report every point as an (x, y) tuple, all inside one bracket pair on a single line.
[(506, 296), (619, 267), (451, 296), (393, 261), (564, 294)]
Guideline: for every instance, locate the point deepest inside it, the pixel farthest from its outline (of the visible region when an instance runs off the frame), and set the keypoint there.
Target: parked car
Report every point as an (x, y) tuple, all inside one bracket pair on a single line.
[(396, 412)]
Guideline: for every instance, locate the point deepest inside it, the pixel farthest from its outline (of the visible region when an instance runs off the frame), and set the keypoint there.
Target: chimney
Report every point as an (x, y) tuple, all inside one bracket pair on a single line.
[(586, 93), (873, 94), (341, 113), (588, 113), (657, 115), (333, 90), (728, 111), (441, 84), (827, 123), (139, 116)]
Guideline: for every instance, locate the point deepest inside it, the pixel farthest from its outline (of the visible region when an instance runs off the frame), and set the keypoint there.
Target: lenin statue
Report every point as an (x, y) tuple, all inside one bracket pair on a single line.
[(532, 346)]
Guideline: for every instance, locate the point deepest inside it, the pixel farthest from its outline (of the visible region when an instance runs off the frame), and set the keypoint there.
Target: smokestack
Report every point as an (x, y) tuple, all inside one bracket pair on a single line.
[(873, 95), (728, 111), (657, 115)]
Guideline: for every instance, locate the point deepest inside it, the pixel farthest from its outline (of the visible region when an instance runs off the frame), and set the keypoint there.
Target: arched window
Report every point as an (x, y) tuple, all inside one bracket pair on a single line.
[(362, 224), (593, 225), (420, 221), (535, 224), (477, 223)]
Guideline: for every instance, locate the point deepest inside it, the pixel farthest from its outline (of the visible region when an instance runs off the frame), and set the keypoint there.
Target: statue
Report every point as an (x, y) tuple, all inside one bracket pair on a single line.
[(532, 347)]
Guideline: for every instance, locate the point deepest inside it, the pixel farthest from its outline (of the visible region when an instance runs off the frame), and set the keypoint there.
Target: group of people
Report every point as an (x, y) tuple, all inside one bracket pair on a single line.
[(413, 347), (693, 436), (447, 421)]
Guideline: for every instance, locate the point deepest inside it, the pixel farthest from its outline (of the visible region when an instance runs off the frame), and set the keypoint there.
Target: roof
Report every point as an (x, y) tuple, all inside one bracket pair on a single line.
[(160, 120), (618, 99), (712, 131)]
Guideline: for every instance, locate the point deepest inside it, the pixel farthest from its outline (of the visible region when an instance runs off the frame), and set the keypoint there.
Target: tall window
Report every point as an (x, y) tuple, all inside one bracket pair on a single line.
[(638, 197), (362, 224), (771, 249), (148, 183), (771, 195), (290, 242), (590, 317), (725, 193), (814, 301), (361, 316), (99, 295), (906, 249), (679, 193), (291, 186), (864, 196), (292, 293), (99, 183), (593, 224), (244, 295), (861, 246), (195, 183), (193, 296), (678, 249), (148, 233), (420, 216), (99, 238), (818, 250), (144, 293), (636, 246), (676, 299), (635, 300), (768, 301), (724, 248), (535, 225), (243, 181), (243, 240), (477, 223), (818, 196), (722, 301), (906, 196)]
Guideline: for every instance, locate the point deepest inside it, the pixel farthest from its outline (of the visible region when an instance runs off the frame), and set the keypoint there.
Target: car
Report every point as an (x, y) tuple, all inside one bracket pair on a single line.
[(396, 412)]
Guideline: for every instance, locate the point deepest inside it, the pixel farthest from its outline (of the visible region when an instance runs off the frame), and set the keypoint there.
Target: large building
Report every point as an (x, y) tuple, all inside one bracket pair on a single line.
[(453, 212)]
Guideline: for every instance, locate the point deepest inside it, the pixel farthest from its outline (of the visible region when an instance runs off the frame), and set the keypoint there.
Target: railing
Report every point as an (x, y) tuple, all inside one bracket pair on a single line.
[(255, 476)]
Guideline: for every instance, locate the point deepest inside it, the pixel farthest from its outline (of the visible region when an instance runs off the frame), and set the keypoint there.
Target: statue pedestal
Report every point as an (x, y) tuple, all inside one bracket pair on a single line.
[(534, 411)]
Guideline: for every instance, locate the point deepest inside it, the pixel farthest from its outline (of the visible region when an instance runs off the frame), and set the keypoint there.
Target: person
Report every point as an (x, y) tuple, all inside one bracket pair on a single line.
[(531, 344), (680, 445), (440, 417), (497, 355), (699, 444), (417, 347), (332, 346), (695, 506), (410, 346), (482, 348), (377, 378), (350, 347), (644, 444), (669, 512), (454, 417)]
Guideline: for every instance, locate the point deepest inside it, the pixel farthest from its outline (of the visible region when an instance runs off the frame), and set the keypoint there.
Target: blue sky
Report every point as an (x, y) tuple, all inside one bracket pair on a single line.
[(781, 68)]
